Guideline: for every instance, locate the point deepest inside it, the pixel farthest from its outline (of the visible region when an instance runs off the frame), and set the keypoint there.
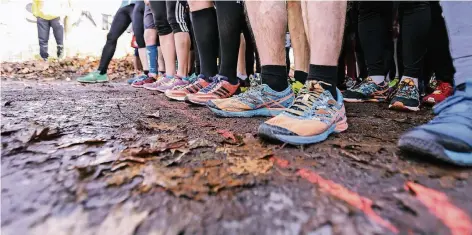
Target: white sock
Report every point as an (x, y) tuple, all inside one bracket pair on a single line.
[(415, 80), (378, 79), (241, 76)]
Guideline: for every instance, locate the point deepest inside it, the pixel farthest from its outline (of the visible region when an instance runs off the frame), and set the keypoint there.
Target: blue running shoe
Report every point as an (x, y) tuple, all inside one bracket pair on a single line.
[(313, 116), (136, 78), (406, 97), (258, 100), (449, 135), (367, 90)]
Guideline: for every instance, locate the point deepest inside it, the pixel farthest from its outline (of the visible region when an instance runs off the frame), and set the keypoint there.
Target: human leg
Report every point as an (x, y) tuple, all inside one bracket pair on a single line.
[(316, 112), (447, 136), (268, 21), (58, 31), (43, 36), (299, 40)]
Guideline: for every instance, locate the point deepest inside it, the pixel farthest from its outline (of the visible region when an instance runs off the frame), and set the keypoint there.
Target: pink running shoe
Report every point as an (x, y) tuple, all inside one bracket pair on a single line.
[(176, 81), (162, 80)]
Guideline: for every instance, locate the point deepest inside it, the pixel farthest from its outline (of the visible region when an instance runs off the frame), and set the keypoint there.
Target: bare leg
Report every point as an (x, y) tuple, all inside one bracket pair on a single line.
[(160, 61), (182, 46), (311, 125), (168, 52), (298, 37), (196, 5), (325, 31), (242, 57), (268, 20)]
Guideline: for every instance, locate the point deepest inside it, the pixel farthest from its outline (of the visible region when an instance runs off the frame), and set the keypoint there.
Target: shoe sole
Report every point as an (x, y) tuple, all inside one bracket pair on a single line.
[(175, 98), (431, 148), (150, 88), (400, 106), (188, 101), (373, 100), (429, 101), (264, 112), (92, 81), (265, 132)]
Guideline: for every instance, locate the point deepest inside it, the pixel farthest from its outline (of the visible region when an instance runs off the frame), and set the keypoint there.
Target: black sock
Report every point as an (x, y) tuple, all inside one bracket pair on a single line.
[(162, 72), (146, 72), (102, 72), (229, 14), (300, 76), (327, 74), (206, 38), (274, 76)]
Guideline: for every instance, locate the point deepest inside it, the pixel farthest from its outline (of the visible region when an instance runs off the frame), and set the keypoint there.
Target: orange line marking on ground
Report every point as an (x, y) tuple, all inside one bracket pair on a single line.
[(354, 199), (439, 205), (339, 191)]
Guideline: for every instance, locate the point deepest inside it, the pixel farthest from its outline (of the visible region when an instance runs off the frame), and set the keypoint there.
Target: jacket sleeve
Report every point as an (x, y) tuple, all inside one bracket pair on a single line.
[(35, 8)]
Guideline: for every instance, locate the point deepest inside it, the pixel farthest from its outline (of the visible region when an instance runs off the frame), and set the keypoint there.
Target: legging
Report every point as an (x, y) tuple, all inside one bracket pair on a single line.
[(250, 46), (375, 21), (415, 18), (438, 57), (138, 23), (121, 21)]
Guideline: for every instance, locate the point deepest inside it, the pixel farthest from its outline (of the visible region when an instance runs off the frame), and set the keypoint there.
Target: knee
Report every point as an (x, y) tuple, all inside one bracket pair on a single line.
[(112, 37)]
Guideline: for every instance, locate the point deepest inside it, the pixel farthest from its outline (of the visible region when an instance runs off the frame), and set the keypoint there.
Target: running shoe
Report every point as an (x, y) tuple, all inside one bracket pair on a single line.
[(220, 88), (367, 90), (313, 116), (140, 84), (179, 93), (448, 136), (442, 91), (93, 77), (259, 100), (175, 82), (136, 78), (406, 97), (161, 80), (348, 83)]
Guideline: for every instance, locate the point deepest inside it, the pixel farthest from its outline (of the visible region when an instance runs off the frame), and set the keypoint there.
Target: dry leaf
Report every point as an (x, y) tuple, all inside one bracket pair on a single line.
[(154, 115)]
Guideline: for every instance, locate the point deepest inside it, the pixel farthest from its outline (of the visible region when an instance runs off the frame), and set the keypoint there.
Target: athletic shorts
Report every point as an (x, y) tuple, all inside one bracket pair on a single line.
[(148, 19)]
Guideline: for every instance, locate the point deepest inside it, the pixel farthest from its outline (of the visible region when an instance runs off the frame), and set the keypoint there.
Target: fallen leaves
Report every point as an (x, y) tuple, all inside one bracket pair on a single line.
[(36, 133), (57, 70), (227, 135), (82, 140), (154, 115), (238, 169)]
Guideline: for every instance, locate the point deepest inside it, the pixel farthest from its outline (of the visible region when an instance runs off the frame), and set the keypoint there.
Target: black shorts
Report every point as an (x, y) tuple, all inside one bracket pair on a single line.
[(148, 19)]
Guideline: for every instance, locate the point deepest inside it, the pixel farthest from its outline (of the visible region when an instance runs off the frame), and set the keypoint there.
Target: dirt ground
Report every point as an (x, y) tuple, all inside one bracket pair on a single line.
[(112, 159)]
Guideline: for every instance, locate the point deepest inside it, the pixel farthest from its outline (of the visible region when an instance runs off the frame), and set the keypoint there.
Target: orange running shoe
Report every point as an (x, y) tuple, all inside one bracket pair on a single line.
[(220, 88), (179, 93)]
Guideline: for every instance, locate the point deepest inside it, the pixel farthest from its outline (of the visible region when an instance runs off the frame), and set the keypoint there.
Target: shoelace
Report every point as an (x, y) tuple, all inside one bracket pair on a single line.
[(305, 99), (254, 90), (405, 89), (212, 85)]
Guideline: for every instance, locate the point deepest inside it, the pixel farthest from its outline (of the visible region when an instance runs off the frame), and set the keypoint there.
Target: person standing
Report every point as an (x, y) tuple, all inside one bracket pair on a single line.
[(48, 15)]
